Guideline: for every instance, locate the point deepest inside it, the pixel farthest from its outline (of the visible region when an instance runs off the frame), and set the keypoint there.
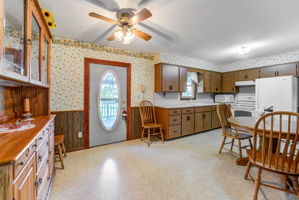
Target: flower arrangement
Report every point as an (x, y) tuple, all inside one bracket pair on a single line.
[(49, 17)]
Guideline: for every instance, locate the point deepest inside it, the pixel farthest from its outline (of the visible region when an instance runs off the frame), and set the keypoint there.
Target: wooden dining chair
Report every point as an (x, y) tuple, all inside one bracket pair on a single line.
[(272, 154), (149, 124), (224, 112)]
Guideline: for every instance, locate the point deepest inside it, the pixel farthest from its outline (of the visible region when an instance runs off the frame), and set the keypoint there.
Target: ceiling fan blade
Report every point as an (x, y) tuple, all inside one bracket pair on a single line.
[(142, 35), (143, 3), (101, 17), (109, 5), (141, 15), (111, 37)]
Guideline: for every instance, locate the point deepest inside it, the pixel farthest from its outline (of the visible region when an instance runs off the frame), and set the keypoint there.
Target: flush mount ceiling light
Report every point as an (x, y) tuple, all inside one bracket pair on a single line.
[(244, 50)]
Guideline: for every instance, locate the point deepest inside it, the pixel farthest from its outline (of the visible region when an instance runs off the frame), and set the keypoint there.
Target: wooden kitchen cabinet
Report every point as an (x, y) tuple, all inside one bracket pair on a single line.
[(248, 74), (166, 78), (289, 69), (22, 48), (203, 119), (266, 72), (206, 81), (187, 121), (228, 82), (216, 82), (24, 186)]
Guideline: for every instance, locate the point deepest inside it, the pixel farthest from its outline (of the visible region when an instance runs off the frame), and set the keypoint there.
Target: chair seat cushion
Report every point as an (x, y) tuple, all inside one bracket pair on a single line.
[(152, 125), (281, 166)]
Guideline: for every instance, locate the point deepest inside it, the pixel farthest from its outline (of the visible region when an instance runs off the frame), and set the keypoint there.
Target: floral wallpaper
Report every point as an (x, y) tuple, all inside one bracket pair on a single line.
[(67, 69), (280, 58)]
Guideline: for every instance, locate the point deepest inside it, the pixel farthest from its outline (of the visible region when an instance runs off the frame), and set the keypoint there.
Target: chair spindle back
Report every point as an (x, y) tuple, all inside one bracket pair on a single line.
[(273, 128), (147, 112), (224, 112)]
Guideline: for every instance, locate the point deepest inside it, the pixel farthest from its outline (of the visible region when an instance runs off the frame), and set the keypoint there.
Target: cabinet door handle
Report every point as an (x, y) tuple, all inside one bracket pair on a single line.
[(233, 89), (21, 163), (40, 158), (40, 180), (216, 89), (246, 76), (203, 115), (188, 118), (40, 138), (170, 87)]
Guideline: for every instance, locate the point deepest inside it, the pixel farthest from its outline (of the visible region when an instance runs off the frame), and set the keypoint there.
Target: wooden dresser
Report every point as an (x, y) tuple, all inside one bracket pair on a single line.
[(27, 161)]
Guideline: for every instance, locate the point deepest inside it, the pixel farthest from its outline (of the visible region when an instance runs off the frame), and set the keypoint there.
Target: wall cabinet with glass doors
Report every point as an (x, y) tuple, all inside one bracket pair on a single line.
[(26, 43)]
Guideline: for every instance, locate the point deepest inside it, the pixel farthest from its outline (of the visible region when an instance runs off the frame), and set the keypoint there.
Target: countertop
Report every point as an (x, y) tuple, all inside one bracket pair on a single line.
[(185, 105), (14, 143)]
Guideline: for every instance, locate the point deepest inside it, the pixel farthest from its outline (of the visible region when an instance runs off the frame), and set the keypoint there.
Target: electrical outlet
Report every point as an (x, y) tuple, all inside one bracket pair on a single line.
[(80, 134)]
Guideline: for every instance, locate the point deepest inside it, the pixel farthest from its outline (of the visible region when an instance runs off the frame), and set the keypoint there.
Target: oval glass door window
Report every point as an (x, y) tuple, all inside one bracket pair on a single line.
[(109, 100)]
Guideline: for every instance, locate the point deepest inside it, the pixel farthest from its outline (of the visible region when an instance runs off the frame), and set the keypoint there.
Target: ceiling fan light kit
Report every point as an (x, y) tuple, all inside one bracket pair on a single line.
[(126, 21)]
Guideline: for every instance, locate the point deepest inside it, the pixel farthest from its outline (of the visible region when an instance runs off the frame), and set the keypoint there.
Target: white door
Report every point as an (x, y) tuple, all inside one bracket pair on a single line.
[(108, 95)]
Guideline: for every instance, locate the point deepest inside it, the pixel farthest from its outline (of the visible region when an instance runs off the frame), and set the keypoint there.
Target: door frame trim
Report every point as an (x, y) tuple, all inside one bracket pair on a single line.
[(87, 62)]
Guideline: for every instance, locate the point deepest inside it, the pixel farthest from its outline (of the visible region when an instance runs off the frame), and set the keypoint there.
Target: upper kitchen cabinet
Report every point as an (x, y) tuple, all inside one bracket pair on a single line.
[(170, 78), (216, 82), (228, 82), (248, 74), (206, 81), (212, 81), (279, 70), (25, 47)]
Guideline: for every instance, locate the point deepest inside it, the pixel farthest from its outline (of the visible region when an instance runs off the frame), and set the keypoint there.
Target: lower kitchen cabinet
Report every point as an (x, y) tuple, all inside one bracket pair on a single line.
[(185, 121), (24, 186), (188, 121), (203, 119)]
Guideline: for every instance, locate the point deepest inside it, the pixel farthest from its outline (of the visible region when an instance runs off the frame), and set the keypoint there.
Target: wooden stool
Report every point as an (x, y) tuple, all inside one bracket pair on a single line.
[(59, 143)]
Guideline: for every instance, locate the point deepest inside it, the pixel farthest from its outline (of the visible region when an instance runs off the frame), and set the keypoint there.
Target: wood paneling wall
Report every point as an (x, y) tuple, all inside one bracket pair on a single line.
[(8, 103), (136, 127), (69, 123), (11, 101)]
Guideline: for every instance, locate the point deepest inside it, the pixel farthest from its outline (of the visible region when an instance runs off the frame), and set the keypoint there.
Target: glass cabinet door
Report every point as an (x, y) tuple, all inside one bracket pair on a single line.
[(35, 73), (45, 61), (13, 37)]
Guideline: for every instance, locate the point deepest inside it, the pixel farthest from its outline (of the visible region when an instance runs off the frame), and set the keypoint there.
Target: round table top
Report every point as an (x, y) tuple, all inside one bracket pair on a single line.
[(243, 122), (248, 124)]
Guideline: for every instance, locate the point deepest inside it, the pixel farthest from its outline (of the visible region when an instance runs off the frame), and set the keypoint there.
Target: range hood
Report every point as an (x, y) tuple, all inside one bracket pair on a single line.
[(244, 83)]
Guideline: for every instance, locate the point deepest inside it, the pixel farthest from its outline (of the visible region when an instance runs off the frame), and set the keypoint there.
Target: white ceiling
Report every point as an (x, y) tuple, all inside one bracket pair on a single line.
[(209, 30)]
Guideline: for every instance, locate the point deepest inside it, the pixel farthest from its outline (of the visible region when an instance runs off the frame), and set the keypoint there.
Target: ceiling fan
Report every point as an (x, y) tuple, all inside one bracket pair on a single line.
[(126, 20)]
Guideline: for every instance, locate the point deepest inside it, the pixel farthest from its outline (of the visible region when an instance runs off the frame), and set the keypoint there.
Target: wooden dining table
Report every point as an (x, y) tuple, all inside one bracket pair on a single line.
[(247, 124)]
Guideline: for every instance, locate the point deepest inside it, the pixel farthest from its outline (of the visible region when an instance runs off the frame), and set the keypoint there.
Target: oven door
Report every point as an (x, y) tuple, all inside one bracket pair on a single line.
[(242, 113)]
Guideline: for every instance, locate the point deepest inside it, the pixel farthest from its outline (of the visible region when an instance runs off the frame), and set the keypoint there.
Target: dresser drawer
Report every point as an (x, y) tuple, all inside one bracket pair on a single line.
[(187, 110), (174, 131), (203, 109), (42, 152), (23, 158), (174, 120), (174, 111), (42, 176)]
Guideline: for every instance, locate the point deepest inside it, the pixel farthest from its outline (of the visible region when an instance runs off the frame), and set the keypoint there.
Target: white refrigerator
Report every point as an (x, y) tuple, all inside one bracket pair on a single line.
[(279, 92)]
